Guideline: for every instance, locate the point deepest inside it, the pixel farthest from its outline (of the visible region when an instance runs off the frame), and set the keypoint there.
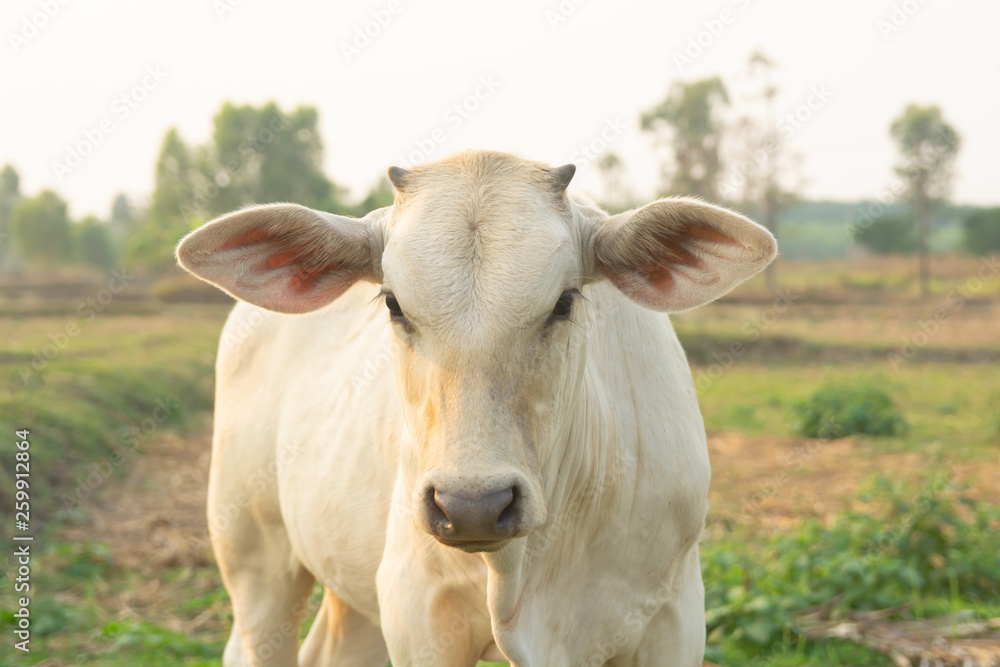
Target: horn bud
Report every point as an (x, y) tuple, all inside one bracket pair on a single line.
[(398, 176), (563, 175)]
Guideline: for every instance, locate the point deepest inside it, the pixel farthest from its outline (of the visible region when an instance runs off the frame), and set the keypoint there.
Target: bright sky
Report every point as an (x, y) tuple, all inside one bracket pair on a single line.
[(551, 76)]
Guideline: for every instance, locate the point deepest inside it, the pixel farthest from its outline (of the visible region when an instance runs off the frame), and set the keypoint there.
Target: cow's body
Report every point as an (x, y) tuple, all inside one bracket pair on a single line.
[(627, 519), (315, 477)]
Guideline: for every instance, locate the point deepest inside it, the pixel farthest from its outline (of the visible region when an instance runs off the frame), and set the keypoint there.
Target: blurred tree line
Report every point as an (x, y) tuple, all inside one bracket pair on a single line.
[(38, 228), (256, 155), (744, 161), (263, 154)]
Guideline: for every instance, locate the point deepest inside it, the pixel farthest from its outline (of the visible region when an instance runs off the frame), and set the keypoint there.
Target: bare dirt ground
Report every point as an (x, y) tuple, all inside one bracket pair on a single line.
[(155, 518), (773, 483)]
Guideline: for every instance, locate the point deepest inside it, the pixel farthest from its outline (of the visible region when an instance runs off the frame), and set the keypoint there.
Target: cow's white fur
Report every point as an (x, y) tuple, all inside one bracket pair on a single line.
[(317, 460)]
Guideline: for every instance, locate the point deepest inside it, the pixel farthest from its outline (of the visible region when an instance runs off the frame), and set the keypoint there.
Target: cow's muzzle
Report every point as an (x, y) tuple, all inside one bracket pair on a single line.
[(473, 517)]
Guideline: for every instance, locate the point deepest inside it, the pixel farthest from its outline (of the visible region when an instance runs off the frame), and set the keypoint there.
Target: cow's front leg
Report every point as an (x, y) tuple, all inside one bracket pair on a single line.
[(432, 599), (675, 636)]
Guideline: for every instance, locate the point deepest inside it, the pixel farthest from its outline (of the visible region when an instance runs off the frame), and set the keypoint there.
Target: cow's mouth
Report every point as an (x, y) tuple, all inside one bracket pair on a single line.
[(474, 546)]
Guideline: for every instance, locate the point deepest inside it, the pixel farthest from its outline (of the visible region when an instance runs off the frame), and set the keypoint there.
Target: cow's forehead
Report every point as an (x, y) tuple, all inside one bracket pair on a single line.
[(479, 245)]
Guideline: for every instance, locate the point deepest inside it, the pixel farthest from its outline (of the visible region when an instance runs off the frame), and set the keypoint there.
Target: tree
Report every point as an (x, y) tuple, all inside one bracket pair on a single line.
[(689, 117), (174, 193), (262, 155), (93, 243), (982, 231), (172, 212), (889, 235), (764, 164), (928, 146), (615, 194), (10, 195), (41, 228), (257, 155), (123, 220)]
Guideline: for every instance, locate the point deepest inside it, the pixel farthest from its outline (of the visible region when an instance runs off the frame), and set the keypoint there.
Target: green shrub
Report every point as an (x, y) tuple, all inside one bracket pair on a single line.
[(982, 231), (936, 544), (840, 409), (889, 235)]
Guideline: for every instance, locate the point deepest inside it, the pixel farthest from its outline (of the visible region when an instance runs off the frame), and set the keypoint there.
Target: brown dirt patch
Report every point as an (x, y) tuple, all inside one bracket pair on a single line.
[(155, 518), (772, 484)]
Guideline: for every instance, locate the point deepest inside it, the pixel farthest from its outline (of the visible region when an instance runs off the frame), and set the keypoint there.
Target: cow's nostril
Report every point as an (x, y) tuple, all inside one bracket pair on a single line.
[(511, 514), (436, 515)]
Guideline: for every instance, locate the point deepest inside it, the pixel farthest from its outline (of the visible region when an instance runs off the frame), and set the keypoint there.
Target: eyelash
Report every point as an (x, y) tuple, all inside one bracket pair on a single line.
[(395, 312), (564, 306)]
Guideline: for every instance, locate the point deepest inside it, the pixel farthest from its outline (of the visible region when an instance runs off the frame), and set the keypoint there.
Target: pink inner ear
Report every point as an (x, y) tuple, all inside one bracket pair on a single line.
[(309, 289), (671, 250), (280, 259), (305, 280), (674, 248), (710, 234), (660, 277), (255, 235)]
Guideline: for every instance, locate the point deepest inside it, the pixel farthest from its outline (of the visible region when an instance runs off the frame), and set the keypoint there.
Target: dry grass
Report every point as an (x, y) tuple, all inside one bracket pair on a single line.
[(875, 279), (973, 325), (769, 484), (155, 519)]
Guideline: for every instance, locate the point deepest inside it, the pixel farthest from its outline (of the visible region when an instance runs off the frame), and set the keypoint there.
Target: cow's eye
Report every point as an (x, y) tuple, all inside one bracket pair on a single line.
[(564, 306), (395, 312)]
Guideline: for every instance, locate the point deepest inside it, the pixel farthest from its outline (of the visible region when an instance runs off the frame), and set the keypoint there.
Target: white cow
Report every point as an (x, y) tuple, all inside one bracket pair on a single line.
[(527, 477)]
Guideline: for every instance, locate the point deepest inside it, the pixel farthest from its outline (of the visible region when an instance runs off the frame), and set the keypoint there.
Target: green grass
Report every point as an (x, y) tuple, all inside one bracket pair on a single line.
[(75, 622), (91, 400), (827, 653), (949, 405)]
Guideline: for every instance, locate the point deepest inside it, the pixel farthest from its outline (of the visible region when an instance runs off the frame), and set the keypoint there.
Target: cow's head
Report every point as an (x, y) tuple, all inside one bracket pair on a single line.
[(482, 262)]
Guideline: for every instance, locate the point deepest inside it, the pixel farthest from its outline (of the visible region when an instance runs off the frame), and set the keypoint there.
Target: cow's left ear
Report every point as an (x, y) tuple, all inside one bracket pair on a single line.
[(679, 253), (284, 257)]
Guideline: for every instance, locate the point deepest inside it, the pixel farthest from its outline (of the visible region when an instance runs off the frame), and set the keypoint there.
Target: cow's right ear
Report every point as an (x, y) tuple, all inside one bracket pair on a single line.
[(284, 257)]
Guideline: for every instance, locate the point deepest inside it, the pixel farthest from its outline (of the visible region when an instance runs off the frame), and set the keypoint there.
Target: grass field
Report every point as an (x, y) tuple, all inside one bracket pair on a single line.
[(118, 412), (91, 384)]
